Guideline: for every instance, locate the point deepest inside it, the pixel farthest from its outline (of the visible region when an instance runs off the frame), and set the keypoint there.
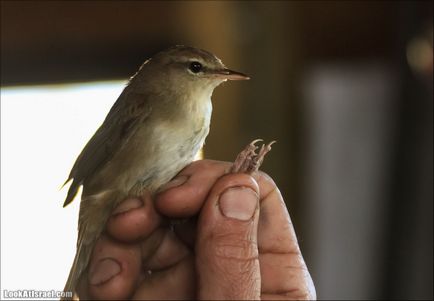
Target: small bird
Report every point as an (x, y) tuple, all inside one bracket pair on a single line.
[(154, 129)]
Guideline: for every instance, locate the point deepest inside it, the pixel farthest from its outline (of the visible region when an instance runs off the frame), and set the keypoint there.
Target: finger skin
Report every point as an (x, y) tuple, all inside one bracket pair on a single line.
[(122, 229), (284, 273), (283, 270), (170, 251), (137, 223), (187, 200), (282, 266), (227, 254), (122, 285), (175, 283)]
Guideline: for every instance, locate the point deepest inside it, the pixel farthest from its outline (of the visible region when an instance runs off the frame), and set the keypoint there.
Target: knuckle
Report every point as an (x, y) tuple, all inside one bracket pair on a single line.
[(237, 260), (266, 178), (233, 246), (233, 258)]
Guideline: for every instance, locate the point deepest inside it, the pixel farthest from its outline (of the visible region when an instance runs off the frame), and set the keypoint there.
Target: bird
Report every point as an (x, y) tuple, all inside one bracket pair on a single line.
[(154, 129)]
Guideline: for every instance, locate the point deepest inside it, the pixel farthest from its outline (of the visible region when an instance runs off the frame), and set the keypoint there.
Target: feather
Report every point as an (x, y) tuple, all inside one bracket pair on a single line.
[(107, 140)]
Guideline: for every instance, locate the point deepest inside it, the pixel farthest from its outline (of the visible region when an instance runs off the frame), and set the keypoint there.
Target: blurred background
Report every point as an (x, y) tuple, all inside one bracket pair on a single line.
[(345, 87)]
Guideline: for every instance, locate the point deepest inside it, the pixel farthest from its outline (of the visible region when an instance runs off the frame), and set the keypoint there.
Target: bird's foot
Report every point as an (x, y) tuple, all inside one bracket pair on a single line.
[(248, 161)]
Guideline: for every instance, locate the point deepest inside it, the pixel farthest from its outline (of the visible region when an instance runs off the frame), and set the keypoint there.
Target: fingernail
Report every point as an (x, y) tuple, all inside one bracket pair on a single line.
[(128, 205), (238, 203), (104, 270), (178, 181)]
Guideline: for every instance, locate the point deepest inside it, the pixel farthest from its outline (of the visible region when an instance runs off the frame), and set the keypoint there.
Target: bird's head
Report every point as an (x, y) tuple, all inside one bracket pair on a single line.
[(188, 69)]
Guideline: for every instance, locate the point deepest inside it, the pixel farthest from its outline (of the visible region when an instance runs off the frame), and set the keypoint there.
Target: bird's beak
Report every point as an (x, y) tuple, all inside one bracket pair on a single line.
[(230, 74)]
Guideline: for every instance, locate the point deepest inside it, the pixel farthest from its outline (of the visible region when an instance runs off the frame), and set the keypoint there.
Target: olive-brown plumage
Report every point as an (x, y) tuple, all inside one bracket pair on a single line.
[(155, 128)]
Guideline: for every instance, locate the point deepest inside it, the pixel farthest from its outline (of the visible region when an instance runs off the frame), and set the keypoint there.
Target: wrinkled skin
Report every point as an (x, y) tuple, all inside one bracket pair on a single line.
[(204, 254)]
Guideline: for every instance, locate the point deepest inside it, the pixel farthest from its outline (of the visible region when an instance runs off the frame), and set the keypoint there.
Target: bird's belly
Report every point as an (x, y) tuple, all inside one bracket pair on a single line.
[(152, 162)]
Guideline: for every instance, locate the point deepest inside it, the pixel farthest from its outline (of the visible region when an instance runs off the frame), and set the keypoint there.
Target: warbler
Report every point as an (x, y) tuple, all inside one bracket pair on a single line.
[(154, 129)]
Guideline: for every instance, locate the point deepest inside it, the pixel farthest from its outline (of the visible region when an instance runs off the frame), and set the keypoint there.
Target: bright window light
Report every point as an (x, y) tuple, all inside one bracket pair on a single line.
[(43, 129)]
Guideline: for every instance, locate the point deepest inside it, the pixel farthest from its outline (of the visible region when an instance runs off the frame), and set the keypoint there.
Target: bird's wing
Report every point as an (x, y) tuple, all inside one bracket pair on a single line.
[(131, 108)]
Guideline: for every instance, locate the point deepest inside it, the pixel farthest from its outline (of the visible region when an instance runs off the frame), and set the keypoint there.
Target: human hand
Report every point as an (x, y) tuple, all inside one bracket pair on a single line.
[(235, 245)]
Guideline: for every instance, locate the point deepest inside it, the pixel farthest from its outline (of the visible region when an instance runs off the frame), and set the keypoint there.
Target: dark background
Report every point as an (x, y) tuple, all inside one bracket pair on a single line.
[(345, 87)]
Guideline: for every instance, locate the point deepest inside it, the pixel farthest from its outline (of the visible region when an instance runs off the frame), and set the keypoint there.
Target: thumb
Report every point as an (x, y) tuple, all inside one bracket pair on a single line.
[(226, 250)]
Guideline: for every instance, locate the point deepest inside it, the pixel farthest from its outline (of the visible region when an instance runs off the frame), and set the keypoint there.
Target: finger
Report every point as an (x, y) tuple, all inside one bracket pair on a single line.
[(275, 232), (114, 270), (169, 272), (174, 283), (133, 219), (169, 252), (227, 254), (184, 196), (283, 270)]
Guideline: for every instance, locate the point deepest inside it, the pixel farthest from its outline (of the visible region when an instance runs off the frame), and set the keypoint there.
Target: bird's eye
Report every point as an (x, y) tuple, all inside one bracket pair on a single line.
[(195, 67)]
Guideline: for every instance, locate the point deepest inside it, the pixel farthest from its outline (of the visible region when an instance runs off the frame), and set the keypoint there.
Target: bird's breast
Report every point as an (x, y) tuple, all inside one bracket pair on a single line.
[(162, 150)]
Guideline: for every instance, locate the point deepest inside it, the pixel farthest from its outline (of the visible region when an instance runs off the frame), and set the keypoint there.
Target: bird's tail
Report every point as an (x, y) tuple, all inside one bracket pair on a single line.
[(80, 263), (94, 213)]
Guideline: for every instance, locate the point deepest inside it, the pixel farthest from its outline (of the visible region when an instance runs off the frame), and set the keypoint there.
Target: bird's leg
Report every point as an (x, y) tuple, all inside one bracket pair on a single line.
[(259, 158), (248, 161), (244, 158)]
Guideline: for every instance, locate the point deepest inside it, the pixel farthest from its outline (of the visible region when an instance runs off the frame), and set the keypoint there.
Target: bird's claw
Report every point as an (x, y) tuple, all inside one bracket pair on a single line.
[(248, 161)]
